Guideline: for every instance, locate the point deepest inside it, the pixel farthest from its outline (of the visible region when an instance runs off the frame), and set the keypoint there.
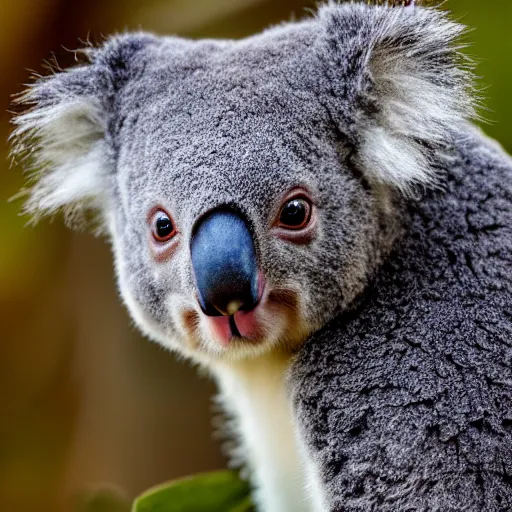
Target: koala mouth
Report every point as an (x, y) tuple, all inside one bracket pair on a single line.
[(242, 325), (275, 321), (234, 328)]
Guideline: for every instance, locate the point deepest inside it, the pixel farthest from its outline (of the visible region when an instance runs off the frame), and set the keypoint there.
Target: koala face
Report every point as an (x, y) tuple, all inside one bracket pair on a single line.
[(266, 157), (247, 186)]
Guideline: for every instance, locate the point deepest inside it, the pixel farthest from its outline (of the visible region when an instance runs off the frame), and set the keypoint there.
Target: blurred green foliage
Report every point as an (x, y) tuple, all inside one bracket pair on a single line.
[(102, 501), (490, 46)]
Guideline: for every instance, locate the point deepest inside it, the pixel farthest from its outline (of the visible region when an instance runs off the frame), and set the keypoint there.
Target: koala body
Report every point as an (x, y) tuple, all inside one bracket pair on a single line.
[(416, 381), (251, 191)]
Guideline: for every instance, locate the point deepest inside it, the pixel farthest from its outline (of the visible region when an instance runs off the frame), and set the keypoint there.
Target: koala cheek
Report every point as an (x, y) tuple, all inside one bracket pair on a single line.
[(153, 316), (135, 307)]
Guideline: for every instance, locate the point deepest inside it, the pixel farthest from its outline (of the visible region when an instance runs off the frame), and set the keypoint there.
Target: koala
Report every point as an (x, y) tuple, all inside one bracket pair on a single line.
[(309, 215)]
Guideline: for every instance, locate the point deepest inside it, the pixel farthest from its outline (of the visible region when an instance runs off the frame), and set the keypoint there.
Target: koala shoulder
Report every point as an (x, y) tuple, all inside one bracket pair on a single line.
[(405, 402)]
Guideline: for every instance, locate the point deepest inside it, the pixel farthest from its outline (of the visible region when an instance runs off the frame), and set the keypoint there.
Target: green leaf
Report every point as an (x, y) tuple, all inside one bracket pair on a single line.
[(220, 491)]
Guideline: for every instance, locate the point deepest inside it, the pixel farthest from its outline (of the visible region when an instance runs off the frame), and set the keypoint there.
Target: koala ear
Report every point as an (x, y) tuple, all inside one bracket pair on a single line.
[(397, 80), (61, 135)]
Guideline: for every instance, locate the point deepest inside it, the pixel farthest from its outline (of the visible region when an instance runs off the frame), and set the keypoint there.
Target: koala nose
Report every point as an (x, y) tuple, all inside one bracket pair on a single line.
[(224, 263)]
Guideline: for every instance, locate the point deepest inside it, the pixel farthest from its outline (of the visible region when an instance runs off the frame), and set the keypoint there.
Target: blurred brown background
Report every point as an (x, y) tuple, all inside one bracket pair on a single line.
[(84, 401)]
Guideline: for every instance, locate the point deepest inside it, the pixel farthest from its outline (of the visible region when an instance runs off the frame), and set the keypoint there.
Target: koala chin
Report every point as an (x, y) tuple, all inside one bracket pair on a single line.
[(251, 190)]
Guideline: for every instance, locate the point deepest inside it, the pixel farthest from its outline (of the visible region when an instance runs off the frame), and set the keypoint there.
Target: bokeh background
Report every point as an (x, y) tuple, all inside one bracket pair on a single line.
[(85, 402)]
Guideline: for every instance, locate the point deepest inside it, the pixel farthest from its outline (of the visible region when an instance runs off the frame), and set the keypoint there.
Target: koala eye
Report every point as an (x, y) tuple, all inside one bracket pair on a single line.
[(162, 227), (295, 213)]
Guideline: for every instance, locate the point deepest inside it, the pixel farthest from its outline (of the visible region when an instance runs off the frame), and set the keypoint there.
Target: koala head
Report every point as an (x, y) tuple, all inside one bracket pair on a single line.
[(248, 186)]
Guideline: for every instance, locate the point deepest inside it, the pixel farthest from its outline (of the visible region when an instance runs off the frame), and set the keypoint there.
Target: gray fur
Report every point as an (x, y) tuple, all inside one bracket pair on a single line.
[(354, 105), (417, 381)]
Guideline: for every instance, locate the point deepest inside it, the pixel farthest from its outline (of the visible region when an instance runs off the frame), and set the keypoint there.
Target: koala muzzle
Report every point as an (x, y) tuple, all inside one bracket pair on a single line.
[(224, 263)]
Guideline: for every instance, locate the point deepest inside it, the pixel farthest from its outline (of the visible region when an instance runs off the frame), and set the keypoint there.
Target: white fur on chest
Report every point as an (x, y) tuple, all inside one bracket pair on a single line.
[(254, 393)]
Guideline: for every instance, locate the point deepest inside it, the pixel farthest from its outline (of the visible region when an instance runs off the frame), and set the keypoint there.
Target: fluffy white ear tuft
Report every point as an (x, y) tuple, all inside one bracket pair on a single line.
[(392, 159), (65, 143), (423, 91), (62, 136), (409, 84)]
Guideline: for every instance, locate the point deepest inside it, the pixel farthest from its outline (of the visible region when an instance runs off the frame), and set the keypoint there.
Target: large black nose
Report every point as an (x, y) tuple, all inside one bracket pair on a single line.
[(224, 263)]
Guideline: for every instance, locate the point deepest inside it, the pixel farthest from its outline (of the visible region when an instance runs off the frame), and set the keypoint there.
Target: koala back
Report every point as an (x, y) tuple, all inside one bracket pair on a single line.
[(406, 403)]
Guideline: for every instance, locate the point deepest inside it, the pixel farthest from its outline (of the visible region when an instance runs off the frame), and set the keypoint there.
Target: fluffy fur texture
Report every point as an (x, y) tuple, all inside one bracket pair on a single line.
[(417, 381), (351, 107), (63, 136), (411, 86)]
